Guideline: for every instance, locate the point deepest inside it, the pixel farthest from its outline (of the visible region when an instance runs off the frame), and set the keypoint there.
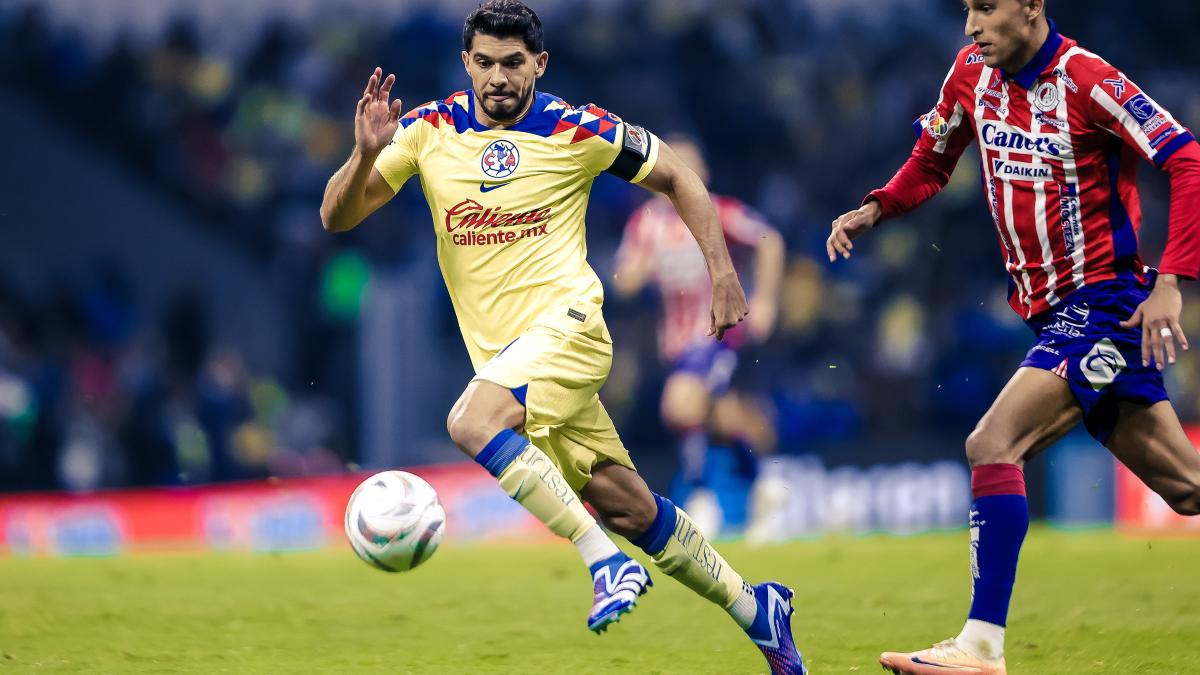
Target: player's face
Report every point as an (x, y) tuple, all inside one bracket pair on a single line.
[(503, 72), (1003, 29)]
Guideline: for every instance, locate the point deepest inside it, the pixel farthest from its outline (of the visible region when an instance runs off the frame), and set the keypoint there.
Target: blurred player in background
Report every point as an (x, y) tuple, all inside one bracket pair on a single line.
[(697, 402), (507, 171), (1060, 132)]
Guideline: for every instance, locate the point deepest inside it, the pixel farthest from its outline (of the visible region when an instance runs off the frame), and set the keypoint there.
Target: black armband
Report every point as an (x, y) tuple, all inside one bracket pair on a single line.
[(635, 150)]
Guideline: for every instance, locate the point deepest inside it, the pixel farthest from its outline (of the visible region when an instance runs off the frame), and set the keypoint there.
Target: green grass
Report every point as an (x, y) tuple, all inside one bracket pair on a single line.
[(1089, 602)]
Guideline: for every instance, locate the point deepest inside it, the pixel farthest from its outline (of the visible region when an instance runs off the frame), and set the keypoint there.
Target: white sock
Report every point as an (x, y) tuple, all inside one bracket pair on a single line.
[(744, 609), (594, 545), (982, 639)]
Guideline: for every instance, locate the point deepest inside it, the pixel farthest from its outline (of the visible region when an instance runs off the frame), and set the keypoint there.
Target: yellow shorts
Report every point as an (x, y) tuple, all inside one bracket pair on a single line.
[(564, 358)]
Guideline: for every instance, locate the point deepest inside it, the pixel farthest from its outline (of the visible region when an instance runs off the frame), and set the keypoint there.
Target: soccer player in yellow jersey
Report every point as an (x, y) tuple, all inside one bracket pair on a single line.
[(507, 171)]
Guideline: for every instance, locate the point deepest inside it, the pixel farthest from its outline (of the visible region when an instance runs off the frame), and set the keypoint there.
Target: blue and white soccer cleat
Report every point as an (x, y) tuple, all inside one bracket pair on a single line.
[(772, 629), (617, 582)]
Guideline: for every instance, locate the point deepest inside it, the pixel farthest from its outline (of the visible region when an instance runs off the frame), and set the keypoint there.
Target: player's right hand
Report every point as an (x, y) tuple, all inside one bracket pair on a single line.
[(848, 227), (376, 118), (728, 304)]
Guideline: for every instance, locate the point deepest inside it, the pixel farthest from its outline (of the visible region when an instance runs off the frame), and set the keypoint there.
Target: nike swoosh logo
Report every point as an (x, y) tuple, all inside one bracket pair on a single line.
[(923, 662), (484, 187)]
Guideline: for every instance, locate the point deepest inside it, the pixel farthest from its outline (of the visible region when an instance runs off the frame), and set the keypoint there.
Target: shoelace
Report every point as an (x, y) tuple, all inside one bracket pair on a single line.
[(945, 648)]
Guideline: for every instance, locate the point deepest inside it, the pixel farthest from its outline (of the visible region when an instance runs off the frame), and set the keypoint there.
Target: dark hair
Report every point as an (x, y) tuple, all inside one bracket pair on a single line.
[(503, 19)]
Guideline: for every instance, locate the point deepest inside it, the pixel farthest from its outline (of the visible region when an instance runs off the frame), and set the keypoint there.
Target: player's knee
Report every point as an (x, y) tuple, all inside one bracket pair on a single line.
[(463, 430), (986, 447)]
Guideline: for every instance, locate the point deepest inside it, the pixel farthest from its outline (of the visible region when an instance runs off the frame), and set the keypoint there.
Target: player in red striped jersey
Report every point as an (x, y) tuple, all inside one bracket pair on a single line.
[(697, 400), (1060, 131)]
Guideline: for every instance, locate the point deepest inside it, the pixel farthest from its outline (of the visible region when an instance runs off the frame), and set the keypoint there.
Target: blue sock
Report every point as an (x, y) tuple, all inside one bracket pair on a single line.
[(501, 451), (654, 539), (999, 521)]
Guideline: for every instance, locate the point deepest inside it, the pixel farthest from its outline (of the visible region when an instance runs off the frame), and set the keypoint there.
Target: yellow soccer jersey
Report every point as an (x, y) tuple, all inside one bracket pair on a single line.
[(508, 205)]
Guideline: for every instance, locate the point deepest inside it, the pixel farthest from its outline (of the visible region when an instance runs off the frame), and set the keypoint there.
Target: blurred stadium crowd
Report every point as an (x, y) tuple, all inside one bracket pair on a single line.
[(240, 117)]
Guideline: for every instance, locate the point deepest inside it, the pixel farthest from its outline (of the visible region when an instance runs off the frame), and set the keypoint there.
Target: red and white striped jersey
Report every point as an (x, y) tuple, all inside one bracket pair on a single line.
[(1059, 142), (656, 236)]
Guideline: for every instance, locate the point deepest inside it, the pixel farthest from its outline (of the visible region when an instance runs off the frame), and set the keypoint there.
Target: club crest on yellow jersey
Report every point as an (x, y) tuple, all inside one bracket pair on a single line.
[(500, 159)]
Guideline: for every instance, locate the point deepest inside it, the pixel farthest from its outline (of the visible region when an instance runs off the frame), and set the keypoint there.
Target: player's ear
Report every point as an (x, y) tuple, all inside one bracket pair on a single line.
[(540, 62), (1034, 9), (466, 61)]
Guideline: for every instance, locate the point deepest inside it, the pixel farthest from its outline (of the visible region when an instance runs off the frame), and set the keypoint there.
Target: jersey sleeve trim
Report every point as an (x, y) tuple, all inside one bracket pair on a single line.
[(1175, 145), (651, 161), (392, 182)]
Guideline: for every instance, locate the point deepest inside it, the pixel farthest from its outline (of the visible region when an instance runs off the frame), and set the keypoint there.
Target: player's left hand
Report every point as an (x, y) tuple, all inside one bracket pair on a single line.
[(1159, 318), (728, 304)]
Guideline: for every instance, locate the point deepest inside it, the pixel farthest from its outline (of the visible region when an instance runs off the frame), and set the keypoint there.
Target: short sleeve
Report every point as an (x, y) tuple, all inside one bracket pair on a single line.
[(1121, 107), (613, 145), (398, 161)]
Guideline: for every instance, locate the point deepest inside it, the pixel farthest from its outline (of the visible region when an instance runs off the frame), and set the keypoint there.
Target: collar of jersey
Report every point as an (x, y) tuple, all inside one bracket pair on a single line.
[(1029, 74), (538, 121)]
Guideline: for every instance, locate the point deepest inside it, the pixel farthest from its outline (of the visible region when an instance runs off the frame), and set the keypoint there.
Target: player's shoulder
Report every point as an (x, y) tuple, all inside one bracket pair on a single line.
[(1086, 69), (552, 117), (449, 114)]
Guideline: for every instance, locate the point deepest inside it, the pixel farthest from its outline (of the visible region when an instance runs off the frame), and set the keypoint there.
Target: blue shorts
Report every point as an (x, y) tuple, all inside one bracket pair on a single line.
[(1081, 340), (712, 361)]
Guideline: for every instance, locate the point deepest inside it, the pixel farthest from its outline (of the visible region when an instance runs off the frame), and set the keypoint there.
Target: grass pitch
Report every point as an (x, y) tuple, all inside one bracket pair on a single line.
[(1086, 603)]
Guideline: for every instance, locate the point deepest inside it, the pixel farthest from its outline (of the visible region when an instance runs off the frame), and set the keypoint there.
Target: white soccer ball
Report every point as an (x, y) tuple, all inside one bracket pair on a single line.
[(395, 521)]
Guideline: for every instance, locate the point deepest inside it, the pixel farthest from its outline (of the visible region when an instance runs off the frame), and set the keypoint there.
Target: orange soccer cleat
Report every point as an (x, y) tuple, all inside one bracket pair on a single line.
[(941, 659)]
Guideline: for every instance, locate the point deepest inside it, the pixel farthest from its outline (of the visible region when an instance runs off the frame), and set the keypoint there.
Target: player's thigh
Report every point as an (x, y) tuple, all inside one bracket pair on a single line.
[(553, 371), (1150, 441), (1034, 410), (685, 400), (483, 410), (584, 441)]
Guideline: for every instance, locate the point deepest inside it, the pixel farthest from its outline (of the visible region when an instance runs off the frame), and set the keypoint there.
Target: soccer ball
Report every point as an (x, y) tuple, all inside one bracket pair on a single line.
[(395, 521)]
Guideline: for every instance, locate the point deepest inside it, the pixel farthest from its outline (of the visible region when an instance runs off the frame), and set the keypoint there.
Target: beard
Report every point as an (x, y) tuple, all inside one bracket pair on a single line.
[(508, 110)]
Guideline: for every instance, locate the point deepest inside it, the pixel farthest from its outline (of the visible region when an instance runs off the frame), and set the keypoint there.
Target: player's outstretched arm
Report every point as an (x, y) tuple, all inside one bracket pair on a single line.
[(849, 226), (357, 189), (686, 191)]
